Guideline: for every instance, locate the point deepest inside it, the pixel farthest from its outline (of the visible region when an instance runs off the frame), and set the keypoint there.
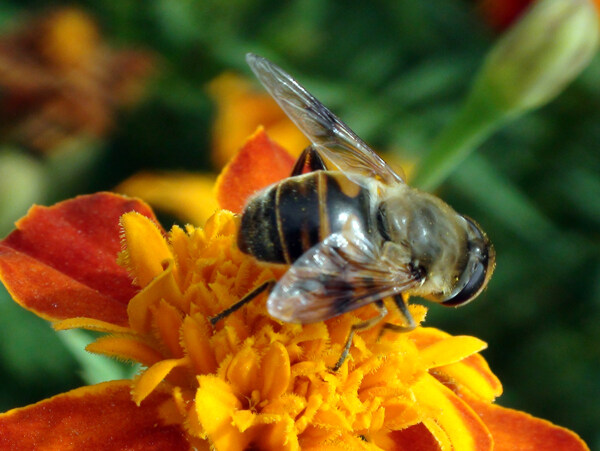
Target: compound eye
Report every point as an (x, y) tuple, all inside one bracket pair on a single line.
[(478, 270), (470, 290)]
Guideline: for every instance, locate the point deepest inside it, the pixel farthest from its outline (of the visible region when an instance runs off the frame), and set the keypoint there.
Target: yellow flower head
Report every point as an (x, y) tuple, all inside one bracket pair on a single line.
[(254, 381)]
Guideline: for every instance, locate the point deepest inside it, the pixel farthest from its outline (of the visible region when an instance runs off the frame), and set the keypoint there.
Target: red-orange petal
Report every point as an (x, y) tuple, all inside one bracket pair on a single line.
[(259, 163), (414, 438), (100, 416), (61, 261), (512, 429)]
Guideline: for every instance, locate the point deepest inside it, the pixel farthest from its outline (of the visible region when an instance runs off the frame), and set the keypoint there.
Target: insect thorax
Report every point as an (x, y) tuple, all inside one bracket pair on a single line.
[(432, 232)]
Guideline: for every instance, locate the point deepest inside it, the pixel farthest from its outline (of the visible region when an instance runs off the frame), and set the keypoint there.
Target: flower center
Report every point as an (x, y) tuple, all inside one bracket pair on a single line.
[(261, 380)]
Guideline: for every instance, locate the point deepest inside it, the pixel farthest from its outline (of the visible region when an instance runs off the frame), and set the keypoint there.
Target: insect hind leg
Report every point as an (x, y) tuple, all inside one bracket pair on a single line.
[(402, 307), (360, 326), (308, 158), (267, 286)]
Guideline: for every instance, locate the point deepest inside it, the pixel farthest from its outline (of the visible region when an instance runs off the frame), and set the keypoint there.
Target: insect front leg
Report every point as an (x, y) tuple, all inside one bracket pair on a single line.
[(309, 157), (267, 286), (410, 322), (360, 326)]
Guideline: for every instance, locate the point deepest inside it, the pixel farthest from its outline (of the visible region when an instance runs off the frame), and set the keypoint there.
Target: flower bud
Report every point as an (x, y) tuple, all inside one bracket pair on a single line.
[(531, 64), (540, 55)]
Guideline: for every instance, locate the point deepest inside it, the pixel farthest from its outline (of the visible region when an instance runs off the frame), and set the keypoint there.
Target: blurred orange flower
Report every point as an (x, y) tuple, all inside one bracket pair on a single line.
[(240, 110), (251, 382), (59, 80), (187, 196)]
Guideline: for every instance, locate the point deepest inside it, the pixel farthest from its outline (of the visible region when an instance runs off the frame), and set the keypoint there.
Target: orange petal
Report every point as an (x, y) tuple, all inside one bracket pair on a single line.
[(413, 438), (127, 348), (241, 107), (279, 435), (259, 163), (243, 370), (163, 286), (100, 416), (449, 418), (512, 430), (215, 406), (471, 373), (450, 350), (168, 322), (427, 336), (61, 261), (185, 195), (147, 382), (146, 248), (90, 324), (196, 339), (275, 371)]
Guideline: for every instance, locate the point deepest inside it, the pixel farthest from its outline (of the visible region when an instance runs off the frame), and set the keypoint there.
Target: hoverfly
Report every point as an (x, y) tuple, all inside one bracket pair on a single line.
[(351, 229)]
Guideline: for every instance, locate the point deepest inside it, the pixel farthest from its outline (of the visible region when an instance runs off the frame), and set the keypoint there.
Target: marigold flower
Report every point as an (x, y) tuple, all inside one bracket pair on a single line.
[(60, 81), (240, 109), (251, 382), (186, 195)]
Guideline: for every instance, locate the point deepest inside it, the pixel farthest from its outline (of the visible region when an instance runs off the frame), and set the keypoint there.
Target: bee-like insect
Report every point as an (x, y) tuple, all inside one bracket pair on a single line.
[(351, 229)]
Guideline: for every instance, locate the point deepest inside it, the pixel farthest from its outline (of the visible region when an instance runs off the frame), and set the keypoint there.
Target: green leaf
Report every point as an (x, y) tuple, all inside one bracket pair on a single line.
[(94, 368), (22, 183), (479, 181)]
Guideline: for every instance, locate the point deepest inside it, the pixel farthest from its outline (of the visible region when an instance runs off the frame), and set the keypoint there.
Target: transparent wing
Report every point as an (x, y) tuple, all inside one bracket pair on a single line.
[(334, 139), (342, 273)]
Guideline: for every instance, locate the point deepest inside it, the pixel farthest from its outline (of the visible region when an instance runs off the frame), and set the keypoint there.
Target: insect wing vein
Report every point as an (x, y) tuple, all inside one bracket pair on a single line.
[(332, 137), (336, 276)]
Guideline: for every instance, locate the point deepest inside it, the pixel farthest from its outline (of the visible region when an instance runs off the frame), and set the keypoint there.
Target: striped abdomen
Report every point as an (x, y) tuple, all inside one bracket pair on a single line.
[(285, 220)]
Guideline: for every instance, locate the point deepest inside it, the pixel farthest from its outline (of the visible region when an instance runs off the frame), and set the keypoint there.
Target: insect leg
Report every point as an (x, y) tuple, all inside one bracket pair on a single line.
[(267, 286), (410, 322), (360, 326), (310, 157)]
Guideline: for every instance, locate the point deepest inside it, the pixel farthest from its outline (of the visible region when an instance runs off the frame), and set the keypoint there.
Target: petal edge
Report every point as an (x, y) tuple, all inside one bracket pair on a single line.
[(61, 261), (513, 429), (100, 416)]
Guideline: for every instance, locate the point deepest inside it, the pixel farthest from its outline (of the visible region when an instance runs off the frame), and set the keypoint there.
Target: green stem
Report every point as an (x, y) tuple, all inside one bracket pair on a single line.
[(478, 118)]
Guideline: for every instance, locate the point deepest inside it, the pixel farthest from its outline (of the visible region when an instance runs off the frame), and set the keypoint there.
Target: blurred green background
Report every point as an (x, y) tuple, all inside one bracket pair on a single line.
[(396, 72)]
